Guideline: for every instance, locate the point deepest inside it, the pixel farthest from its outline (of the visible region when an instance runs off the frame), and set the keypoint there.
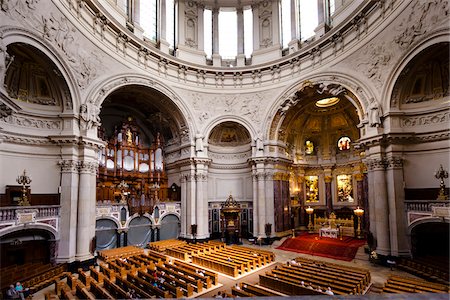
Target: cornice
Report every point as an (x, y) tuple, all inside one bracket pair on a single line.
[(112, 35)]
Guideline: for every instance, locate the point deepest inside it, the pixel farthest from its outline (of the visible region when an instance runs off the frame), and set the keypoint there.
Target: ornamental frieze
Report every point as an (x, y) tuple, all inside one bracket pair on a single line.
[(424, 120), (32, 122)]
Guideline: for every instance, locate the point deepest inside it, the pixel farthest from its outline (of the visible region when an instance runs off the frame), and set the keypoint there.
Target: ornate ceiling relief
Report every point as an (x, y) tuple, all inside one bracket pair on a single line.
[(374, 61), (60, 33), (423, 16), (248, 106), (31, 122)]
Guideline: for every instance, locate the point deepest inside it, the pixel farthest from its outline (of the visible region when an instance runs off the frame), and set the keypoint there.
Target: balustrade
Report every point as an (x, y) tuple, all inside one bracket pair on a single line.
[(8, 213)]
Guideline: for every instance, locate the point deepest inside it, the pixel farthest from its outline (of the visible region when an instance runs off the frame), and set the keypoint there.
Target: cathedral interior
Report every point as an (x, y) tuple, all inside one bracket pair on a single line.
[(156, 124)]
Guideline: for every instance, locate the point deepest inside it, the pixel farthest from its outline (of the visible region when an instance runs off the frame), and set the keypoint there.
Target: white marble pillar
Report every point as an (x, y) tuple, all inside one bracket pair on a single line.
[(381, 206), (255, 12), (260, 176), (321, 28), (255, 202), (396, 198), (240, 37), (200, 27), (86, 209), (191, 203), (184, 207), (162, 25), (201, 200), (295, 27), (68, 219), (215, 37), (269, 198)]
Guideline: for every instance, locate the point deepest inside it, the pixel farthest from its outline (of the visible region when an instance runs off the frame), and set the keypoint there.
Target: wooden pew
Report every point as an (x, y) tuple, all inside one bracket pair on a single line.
[(82, 292), (256, 291), (96, 274), (285, 286), (115, 290), (99, 292), (146, 288), (213, 275)]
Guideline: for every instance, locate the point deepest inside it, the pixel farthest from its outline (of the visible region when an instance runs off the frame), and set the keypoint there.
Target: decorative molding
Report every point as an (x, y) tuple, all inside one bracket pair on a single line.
[(394, 162), (89, 167), (425, 120), (423, 15), (376, 164), (68, 166), (31, 122), (375, 58)]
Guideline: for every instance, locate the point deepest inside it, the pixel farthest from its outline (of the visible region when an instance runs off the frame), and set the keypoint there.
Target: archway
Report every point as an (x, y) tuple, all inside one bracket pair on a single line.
[(27, 246), (230, 148), (431, 240), (139, 231), (105, 234), (170, 227)]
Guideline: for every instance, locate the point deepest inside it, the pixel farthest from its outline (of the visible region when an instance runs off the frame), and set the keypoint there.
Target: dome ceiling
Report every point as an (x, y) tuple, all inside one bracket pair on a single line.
[(153, 111), (229, 134)]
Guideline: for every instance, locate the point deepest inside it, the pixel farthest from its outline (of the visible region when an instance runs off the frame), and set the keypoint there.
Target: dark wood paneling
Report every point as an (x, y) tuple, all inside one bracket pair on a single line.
[(423, 194)]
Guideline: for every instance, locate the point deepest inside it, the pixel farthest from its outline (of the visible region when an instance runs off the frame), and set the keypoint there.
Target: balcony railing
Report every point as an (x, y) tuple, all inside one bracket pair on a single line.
[(424, 205), (10, 213)]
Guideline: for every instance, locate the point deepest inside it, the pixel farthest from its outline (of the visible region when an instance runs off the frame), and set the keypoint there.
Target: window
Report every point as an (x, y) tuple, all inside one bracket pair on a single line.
[(344, 143), (228, 34), (344, 188), (148, 19), (170, 23), (207, 31), (248, 32), (309, 18), (309, 147), (312, 188), (286, 22)]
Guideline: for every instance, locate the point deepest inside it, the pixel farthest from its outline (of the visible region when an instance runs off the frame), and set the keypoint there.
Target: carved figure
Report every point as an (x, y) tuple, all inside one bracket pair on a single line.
[(374, 113), (88, 116), (198, 142), (5, 60)]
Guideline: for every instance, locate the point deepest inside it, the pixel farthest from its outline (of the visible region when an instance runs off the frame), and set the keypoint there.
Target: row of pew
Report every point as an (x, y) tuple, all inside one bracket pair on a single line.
[(401, 284), (120, 252), (307, 277), (229, 260), (427, 268), (146, 275), (163, 245)]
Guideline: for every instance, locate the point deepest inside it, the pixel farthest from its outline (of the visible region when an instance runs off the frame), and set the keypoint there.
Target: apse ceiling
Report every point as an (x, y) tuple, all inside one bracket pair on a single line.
[(153, 111)]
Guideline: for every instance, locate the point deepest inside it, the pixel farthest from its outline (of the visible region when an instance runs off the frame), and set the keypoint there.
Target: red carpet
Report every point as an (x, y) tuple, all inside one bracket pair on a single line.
[(326, 247)]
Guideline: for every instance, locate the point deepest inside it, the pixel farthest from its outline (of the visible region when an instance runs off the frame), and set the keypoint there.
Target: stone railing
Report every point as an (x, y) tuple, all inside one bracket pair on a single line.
[(424, 205), (10, 213)]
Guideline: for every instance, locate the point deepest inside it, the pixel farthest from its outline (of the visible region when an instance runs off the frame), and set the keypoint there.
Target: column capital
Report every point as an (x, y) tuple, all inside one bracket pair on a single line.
[(68, 166), (394, 162), (359, 176), (376, 164), (328, 179), (87, 167)]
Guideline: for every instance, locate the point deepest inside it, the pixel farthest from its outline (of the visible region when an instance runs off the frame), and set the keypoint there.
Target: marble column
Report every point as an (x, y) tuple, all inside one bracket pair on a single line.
[(381, 211), (269, 197), (240, 37), (396, 198), (162, 25), (191, 202), (295, 27), (260, 176), (86, 209), (328, 194), (136, 7), (201, 200), (215, 37), (184, 208), (68, 219), (255, 202)]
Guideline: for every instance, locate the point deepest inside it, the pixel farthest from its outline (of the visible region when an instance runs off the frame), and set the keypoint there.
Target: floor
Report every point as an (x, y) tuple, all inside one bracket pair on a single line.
[(379, 274)]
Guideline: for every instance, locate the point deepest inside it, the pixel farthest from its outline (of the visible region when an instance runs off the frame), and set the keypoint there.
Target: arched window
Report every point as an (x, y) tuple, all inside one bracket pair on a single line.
[(309, 147), (344, 143)]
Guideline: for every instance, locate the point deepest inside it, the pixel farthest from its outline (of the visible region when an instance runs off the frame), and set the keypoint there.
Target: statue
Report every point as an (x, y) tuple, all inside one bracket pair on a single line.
[(129, 137), (374, 113), (5, 61), (198, 142), (88, 116)]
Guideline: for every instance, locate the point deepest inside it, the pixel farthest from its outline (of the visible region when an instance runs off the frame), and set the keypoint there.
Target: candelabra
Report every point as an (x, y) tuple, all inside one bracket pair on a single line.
[(309, 211), (441, 174), (359, 212), (122, 186), (24, 180)]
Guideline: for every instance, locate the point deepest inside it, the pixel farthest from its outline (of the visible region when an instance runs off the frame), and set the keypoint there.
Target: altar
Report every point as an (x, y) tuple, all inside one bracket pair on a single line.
[(329, 232)]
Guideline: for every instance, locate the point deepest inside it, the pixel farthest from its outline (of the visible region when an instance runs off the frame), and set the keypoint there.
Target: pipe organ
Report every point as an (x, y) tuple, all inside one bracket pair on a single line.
[(130, 170)]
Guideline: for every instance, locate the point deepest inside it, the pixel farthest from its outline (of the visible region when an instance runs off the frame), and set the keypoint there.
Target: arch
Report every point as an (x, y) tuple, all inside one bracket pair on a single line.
[(41, 226), (170, 226), (115, 220), (106, 237), (100, 92), (358, 88), (12, 35), (432, 39), (139, 231), (422, 221), (229, 118)]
